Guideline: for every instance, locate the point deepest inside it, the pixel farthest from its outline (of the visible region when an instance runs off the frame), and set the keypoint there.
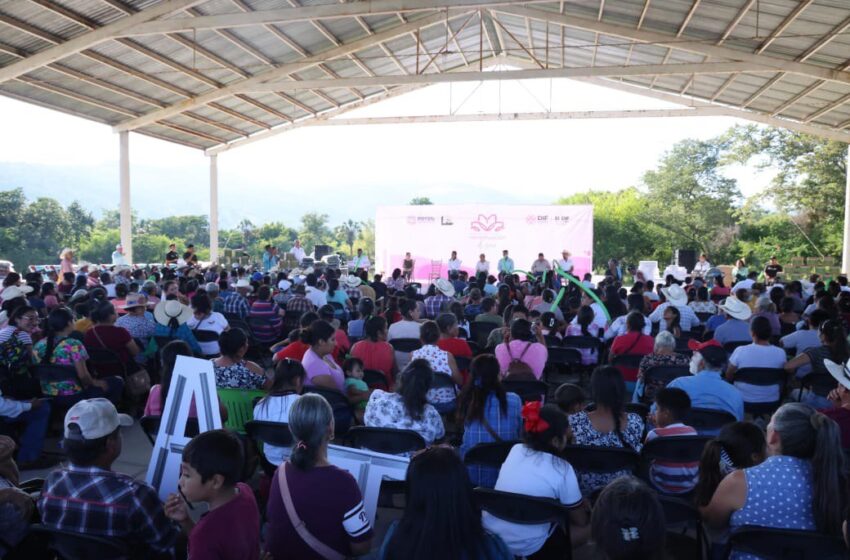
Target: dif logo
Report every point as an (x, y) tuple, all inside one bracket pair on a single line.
[(487, 223), (532, 219)]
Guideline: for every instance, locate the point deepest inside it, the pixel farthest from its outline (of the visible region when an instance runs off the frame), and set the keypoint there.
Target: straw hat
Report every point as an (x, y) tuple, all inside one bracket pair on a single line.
[(445, 287), (134, 300), (65, 252), (839, 372), (12, 292), (171, 309), (351, 281), (676, 295), (736, 308)]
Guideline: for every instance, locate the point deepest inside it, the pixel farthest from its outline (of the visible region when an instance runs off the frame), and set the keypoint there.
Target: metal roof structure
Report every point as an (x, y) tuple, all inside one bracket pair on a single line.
[(217, 74)]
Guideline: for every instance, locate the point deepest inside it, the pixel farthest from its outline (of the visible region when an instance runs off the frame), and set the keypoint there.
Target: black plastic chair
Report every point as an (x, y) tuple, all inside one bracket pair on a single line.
[(491, 454), (704, 317), (767, 542), (631, 361), (731, 346), (376, 379), (463, 363), (269, 433), (762, 377), (527, 390), (202, 335), (522, 509), (70, 545), (405, 344), (678, 449), (588, 458), (819, 384), (665, 374), (582, 342), (476, 349), (562, 360), (552, 340), (640, 409), (707, 420), (479, 331), (680, 517), (385, 440), (150, 425), (340, 405), (105, 362)]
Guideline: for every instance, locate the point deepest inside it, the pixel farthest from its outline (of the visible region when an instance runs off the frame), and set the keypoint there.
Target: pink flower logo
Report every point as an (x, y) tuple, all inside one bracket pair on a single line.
[(487, 223)]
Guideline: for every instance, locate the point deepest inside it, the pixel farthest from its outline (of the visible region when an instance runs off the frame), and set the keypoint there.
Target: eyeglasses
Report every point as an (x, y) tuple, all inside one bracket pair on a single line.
[(30, 317)]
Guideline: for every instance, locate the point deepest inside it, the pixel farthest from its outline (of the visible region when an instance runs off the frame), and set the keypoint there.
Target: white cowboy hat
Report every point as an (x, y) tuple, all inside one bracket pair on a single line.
[(244, 283), (308, 270), (284, 285), (839, 371), (445, 287), (12, 292), (675, 295), (171, 309), (351, 281), (736, 308), (134, 300)]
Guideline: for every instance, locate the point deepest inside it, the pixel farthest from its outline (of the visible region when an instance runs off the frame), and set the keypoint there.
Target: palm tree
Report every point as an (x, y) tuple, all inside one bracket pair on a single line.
[(347, 232)]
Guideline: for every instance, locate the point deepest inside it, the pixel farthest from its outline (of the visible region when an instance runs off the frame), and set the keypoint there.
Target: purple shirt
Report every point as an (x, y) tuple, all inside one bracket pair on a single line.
[(535, 356), (316, 366)]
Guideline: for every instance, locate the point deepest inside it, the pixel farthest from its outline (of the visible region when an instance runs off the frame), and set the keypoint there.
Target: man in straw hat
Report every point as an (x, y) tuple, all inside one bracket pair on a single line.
[(445, 295), (171, 317), (736, 328), (675, 296), (88, 497)]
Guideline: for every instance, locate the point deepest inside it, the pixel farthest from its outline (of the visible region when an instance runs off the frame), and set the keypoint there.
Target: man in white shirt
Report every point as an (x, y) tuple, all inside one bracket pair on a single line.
[(565, 263), (506, 264), (298, 251), (454, 263), (747, 283), (118, 256), (702, 267), (759, 354), (361, 261), (677, 297), (541, 265), (316, 296), (482, 265)]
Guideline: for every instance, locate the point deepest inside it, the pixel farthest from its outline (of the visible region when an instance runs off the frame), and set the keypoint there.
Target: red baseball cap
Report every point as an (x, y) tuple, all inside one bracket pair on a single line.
[(696, 345)]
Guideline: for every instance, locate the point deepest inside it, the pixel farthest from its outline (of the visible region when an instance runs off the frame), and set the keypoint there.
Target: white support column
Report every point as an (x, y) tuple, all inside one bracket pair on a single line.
[(214, 208), (845, 252), (124, 207)]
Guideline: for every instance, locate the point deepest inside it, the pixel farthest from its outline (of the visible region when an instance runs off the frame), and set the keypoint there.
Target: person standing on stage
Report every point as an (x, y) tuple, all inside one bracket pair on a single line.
[(482, 265), (361, 261), (454, 263), (407, 266), (298, 252), (772, 270), (506, 264), (171, 256)]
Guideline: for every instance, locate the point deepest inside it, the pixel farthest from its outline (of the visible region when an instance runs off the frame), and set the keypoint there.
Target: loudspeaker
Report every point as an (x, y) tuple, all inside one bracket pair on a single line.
[(686, 258), (321, 250)]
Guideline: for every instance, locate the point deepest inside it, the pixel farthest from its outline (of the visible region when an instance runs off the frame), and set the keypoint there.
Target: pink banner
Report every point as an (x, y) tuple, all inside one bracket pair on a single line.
[(431, 233)]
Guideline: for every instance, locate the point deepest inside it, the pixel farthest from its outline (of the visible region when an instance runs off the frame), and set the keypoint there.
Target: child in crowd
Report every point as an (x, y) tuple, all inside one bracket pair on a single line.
[(210, 472), (570, 398), (355, 388), (671, 407), (628, 522)]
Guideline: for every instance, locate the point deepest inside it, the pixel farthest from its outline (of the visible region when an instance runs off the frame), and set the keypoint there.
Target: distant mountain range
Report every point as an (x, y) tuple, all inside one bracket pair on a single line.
[(158, 192)]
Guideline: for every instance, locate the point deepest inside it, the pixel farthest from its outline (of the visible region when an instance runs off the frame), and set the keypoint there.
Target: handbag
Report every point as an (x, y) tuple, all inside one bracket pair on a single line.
[(315, 544)]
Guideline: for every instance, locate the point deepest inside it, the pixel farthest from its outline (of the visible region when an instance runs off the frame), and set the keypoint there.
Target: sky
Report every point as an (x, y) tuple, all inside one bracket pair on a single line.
[(348, 171)]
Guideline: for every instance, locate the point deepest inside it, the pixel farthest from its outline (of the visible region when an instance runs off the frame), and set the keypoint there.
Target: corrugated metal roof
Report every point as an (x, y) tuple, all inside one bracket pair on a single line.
[(126, 76)]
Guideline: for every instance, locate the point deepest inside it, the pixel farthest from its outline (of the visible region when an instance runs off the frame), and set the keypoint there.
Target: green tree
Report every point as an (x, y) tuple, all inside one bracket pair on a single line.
[(314, 231), (81, 223), (150, 248), (420, 201), (186, 229), (98, 247), (690, 198), (46, 223), (347, 233), (12, 205), (367, 237)]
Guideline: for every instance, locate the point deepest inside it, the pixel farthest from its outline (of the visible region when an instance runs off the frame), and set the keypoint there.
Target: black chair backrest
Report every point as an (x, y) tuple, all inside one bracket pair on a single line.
[(707, 419), (677, 449), (582, 342), (105, 361), (820, 383), (703, 316), (375, 379), (463, 363), (69, 545), (521, 509), (272, 433), (150, 425), (491, 454), (640, 409), (385, 440), (631, 361), (337, 399), (406, 344), (480, 330), (767, 542), (665, 374), (551, 340), (476, 349), (561, 355), (731, 346), (761, 376), (202, 335), (600, 459), (527, 390), (443, 381)]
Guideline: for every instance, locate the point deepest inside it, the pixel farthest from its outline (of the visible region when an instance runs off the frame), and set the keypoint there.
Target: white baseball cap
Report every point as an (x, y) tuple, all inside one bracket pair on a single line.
[(96, 418)]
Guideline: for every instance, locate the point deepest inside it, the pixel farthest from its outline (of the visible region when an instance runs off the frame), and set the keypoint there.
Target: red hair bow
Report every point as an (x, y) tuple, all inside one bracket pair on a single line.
[(531, 414)]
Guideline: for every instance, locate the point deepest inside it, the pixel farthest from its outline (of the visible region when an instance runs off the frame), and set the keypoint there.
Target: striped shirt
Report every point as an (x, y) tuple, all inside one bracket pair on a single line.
[(672, 477)]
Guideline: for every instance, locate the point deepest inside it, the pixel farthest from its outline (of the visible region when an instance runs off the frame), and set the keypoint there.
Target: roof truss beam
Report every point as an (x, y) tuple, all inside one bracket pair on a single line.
[(92, 38), (597, 71)]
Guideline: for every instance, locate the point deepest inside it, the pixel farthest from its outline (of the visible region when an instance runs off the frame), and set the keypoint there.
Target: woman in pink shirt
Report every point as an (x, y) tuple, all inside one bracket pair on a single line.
[(523, 345), (318, 362)]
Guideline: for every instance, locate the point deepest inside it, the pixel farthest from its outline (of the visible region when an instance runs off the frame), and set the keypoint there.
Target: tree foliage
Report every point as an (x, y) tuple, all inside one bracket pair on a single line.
[(420, 201), (314, 231)]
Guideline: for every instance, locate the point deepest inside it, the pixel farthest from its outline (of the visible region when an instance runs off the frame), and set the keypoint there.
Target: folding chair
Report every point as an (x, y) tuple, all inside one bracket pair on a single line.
[(527, 390), (240, 406), (376, 379), (269, 433), (678, 449), (340, 405), (707, 421), (766, 542), (489, 454), (385, 440), (762, 377)]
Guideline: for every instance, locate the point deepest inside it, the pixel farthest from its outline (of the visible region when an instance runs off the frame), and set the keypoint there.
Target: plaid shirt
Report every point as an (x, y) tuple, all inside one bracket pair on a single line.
[(434, 305), (507, 427), (99, 502), (235, 304), (299, 304), (354, 294)]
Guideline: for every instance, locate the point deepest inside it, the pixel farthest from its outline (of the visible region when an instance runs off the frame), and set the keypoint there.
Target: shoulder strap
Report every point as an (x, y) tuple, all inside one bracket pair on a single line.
[(315, 544), (524, 350), (489, 428)]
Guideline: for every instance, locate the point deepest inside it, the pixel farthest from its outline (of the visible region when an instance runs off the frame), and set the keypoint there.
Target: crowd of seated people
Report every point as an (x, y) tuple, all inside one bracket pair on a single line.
[(448, 363)]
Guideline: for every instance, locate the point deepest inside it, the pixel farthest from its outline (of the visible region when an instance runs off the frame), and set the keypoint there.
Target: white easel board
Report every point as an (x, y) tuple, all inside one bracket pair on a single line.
[(192, 377), (369, 468)]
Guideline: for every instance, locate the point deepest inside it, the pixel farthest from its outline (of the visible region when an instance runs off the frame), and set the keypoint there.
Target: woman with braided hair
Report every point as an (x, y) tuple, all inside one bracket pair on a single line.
[(801, 485), (607, 425), (535, 468)]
